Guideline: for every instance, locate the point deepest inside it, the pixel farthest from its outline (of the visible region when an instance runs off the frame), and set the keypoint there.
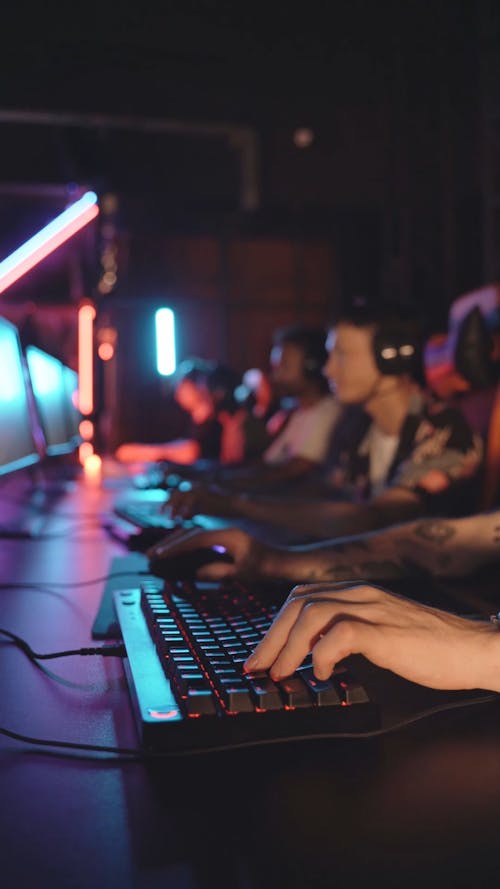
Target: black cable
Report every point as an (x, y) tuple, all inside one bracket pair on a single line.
[(41, 584), (111, 650), (18, 535), (139, 754)]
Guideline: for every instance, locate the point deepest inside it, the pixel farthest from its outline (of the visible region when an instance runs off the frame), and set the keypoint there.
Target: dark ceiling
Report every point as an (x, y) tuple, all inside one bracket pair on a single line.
[(392, 90), (350, 71), (226, 60)]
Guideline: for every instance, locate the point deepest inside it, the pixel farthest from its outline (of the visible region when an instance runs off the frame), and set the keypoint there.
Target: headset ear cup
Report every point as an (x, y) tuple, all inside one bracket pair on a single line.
[(396, 352)]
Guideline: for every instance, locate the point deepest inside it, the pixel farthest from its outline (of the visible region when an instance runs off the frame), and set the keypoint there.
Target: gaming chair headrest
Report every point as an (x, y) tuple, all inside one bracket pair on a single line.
[(473, 350), (464, 355)]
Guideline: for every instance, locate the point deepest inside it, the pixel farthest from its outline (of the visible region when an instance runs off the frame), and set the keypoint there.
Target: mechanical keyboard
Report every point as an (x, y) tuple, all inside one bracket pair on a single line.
[(155, 477), (145, 509), (146, 515), (186, 645)]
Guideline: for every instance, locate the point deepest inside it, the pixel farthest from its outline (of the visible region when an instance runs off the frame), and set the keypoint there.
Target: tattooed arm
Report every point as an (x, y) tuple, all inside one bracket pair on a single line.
[(447, 547), (441, 547)]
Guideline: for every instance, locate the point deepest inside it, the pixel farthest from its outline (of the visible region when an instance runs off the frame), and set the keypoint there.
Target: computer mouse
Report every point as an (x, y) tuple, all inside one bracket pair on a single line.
[(183, 566), (142, 540)]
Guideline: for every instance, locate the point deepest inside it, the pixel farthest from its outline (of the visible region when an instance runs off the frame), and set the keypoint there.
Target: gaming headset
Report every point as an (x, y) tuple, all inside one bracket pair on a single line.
[(397, 349), (397, 340)]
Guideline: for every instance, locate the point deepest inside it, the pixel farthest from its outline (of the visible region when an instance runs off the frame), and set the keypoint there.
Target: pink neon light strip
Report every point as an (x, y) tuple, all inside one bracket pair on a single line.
[(22, 260), (86, 315)]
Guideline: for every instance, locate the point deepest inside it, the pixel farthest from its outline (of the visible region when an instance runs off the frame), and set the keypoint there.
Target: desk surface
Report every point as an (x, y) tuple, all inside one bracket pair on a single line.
[(418, 807)]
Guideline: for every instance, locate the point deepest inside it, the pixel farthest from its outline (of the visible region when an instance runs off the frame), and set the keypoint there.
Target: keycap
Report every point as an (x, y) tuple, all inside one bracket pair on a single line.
[(235, 696), (200, 702), (324, 692), (295, 692), (264, 691), (352, 690)]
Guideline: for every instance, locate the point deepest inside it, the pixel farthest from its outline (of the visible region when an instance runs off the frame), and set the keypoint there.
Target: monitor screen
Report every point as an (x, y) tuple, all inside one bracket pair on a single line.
[(49, 388), (73, 415), (21, 443)]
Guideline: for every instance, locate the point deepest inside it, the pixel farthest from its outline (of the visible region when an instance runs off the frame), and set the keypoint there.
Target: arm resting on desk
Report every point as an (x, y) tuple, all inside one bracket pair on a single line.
[(441, 547)]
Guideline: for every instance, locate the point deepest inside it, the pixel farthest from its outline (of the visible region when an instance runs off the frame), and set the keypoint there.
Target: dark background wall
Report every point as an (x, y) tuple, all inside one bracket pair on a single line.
[(397, 193)]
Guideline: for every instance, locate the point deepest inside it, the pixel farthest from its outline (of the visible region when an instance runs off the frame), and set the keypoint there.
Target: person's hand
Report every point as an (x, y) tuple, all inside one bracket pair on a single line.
[(199, 499), (248, 554), (420, 643)]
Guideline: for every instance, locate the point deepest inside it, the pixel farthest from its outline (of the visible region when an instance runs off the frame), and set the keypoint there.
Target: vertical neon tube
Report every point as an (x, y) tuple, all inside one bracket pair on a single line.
[(86, 315), (165, 342)]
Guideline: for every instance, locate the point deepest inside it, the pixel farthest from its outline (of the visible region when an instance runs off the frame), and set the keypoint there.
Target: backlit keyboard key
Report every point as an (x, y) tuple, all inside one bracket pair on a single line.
[(295, 692), (324, 692), (264, 691)]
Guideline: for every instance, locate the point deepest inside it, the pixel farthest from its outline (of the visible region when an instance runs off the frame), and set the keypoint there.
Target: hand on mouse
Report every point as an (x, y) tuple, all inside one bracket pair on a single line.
[(423, 644), (250, 556)]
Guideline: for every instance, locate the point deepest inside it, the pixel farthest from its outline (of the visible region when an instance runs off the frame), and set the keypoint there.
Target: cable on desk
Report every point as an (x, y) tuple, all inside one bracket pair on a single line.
[(111, 650), (139, 754), (20, 535), (48, 584)]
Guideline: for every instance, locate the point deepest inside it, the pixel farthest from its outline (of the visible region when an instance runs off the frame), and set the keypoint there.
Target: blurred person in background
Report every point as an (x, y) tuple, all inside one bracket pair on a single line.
[(195, 394), (407, 455)]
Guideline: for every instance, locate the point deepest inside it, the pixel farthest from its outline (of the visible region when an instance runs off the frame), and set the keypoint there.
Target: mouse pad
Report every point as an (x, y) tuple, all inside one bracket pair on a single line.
[(122, 573)]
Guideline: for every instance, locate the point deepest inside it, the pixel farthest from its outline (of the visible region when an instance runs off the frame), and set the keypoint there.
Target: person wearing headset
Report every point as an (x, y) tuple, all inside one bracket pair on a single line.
[(399, 455), (301, 428), (298, 431)]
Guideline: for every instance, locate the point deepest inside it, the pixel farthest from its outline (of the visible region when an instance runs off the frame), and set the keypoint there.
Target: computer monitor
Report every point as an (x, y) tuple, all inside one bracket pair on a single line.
[(50, 390), (73, 415), (21, 439)]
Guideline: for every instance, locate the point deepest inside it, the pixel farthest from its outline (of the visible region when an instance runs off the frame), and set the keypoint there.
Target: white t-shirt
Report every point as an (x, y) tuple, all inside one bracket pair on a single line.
[(307, 433), (381, 449)]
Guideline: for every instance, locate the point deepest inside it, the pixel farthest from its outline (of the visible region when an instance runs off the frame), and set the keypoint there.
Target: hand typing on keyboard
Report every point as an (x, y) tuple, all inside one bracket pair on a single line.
[(186, 645), (423, 644), (201, 498)]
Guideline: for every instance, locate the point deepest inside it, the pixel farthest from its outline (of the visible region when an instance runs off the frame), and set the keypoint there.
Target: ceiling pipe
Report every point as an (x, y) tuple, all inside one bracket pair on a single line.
[(242, 138)]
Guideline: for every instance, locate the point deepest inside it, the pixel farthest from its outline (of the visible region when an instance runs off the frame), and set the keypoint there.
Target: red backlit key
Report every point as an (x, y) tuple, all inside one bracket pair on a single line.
[(295, 692), (200, 701), (324, 692), (264, 691)]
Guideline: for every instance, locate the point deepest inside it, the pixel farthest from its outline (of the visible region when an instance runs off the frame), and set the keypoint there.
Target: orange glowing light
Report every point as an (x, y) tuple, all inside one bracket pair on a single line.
[(92, 468), (86, 315), (164, 714), (85, 451), (105, 351), (86, 429)]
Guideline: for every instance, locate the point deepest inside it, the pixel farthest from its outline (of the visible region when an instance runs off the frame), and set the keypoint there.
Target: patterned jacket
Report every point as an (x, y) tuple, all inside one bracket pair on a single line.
[(439, 457)]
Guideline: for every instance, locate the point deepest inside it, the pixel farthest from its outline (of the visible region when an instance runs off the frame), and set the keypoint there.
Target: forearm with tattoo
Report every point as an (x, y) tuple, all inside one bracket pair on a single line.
[(439, 547)]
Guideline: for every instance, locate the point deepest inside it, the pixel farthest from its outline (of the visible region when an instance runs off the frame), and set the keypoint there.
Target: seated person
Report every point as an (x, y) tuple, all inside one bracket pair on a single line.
[(301, 430), (463, 366), (257, 405), (408, 456), (433, 648), (193, 392)]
